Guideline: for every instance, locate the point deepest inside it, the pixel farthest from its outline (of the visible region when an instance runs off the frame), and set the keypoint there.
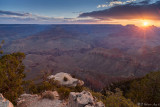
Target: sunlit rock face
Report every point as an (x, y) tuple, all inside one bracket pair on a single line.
[(66, 79), (83, 99), (4, 102)]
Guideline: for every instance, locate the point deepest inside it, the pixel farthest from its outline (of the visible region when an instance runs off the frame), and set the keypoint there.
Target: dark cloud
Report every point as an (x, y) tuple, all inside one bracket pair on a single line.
[(13, 13), (142, 10), (145, 2), (24, 18)]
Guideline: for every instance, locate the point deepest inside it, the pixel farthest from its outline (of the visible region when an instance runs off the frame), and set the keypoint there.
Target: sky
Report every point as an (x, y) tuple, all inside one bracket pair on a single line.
[(80, 12)]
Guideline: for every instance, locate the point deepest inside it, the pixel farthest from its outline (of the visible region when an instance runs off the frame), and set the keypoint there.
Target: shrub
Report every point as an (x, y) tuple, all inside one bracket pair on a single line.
[(118, 101), (12, 75), (48, 95), (78, 88), (64, 92), (146, 90), (30, 87)]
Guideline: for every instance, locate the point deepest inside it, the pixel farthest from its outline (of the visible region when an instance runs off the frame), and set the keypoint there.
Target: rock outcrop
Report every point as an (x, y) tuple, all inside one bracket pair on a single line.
[(28, 100), (66, 79), (51, 98), (4, 102), (25, 100), (83, 99)]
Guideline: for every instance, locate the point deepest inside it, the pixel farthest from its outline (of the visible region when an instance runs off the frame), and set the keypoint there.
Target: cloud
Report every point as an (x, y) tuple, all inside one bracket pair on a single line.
[(145, 2), (113, 3), (13, 13), (29, 18), (143, 10)]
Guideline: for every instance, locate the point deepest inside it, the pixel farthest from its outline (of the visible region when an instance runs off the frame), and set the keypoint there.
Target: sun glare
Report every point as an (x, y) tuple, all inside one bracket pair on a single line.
[(145, 23)]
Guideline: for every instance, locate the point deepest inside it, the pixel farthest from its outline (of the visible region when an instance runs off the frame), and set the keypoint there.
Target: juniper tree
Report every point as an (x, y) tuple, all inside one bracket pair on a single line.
[(11, 74)]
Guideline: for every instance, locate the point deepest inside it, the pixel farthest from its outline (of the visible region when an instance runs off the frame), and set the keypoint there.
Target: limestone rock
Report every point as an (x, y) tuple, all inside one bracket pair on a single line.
[(4, 102), (66, 79), (25, 100), (28, 100), (83, 99)]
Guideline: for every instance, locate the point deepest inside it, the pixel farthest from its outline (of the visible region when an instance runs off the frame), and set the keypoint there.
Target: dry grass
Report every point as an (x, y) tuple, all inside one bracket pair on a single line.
[(48, 95)]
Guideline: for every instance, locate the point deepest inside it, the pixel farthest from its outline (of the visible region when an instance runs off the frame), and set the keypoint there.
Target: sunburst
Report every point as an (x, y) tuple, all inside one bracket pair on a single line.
[(145, 23)]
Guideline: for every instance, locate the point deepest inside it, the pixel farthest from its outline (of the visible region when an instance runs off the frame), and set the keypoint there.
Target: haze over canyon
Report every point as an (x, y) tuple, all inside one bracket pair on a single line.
[(97, 54)]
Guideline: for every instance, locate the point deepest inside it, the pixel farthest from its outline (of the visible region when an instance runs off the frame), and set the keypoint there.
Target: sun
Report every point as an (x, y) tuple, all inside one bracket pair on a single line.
[(145, 24)]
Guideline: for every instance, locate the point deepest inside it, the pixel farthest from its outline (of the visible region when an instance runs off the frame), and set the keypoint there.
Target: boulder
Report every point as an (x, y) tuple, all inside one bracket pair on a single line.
[(83, 99), (66, 79), (4, 102)]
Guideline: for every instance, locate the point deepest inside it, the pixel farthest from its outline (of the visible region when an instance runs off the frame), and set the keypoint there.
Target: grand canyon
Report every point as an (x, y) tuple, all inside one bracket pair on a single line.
[(97, 54)]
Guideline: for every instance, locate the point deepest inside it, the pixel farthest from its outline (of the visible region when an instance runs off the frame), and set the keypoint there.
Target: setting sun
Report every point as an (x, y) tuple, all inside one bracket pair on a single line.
[(145, 23)]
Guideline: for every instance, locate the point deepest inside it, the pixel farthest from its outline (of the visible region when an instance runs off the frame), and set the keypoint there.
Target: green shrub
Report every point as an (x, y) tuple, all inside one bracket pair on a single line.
[(111, 99), (64, 92), (146, 90), (30, 87), (78, 88), (118, 101), (12, 74)]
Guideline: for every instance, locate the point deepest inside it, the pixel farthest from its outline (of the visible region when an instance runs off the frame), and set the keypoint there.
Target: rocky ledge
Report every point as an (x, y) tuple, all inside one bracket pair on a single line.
[(76, 99), (47, 99)]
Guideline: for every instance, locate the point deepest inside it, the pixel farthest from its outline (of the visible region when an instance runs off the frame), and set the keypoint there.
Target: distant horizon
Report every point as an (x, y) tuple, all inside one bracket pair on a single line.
[(122, 12), (82, 24)]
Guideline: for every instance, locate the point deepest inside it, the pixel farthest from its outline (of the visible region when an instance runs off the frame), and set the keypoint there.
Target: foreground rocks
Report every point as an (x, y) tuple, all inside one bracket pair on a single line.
[(51, 98), (28, 100), (66, 79), (83, 99), (4, 102)]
